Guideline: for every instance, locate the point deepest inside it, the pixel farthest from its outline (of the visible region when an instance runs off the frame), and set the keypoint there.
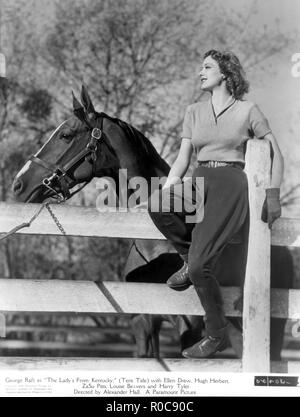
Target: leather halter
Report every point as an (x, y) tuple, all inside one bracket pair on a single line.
[(59, 173)]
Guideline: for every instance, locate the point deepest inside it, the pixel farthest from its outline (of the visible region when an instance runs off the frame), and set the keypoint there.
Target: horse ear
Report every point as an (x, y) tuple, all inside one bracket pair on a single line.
[(86, 100), (78, 108), (76, 103)]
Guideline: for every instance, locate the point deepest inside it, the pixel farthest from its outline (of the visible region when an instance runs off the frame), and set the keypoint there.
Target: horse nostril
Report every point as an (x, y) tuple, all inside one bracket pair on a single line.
[(17, 186)]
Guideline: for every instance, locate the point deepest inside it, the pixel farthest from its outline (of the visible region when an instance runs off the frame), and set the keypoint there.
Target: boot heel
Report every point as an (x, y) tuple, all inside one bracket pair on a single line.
[(206, 348)]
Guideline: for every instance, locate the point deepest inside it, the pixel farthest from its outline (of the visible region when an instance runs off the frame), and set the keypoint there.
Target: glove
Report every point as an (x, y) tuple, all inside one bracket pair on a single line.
[(271, 209)]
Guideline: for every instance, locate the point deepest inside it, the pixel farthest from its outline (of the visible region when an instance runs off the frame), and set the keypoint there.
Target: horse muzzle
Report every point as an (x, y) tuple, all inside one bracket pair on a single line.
[(17, 187)]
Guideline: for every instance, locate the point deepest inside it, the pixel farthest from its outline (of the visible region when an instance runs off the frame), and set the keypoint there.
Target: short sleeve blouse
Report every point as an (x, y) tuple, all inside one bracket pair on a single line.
[(223, 137)]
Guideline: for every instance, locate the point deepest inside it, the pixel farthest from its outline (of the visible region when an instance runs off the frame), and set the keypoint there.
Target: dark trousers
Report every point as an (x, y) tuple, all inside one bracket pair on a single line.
[(225, 203)]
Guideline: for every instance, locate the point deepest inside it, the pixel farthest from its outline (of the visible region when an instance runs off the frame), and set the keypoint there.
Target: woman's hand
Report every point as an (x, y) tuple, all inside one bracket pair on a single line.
[(171, 182), (271, 209)]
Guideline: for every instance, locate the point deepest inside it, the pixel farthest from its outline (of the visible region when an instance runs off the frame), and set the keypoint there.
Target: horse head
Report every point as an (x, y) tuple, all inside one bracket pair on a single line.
[(77, 151), (87, 145)]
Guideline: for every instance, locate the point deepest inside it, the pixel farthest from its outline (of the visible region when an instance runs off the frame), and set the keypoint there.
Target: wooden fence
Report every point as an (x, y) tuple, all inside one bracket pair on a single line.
[(59, 296)]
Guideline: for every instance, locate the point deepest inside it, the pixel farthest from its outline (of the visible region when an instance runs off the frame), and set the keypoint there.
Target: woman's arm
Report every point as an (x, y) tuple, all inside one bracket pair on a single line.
[(277, 162), (181, 163)]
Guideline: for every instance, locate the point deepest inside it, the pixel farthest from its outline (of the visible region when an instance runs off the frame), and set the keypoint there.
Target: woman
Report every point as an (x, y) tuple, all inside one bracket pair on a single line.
[(217, 130)]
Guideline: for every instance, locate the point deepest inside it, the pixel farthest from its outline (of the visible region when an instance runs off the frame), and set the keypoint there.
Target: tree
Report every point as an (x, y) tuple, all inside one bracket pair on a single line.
[(140, 58), (20, 122)]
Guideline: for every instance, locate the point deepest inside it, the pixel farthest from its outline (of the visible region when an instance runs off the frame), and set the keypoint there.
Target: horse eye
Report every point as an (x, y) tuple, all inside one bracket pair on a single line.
[(66, 136)]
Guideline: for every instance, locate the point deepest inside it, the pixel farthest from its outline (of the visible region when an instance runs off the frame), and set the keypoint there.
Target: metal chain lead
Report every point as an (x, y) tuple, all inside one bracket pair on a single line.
[(28, 224), (58, 224)]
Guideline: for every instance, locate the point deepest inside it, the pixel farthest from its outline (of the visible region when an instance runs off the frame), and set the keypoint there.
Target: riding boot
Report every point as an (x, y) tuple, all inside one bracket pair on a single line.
[(209, 345), (180, 280), (216, 324)]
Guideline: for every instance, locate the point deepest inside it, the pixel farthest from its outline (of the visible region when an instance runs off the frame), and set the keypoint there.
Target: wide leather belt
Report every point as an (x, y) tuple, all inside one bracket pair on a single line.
[(217, 164)]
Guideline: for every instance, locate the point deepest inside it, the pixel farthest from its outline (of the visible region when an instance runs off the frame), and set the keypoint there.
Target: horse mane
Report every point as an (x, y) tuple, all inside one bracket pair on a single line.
[(142, 145)]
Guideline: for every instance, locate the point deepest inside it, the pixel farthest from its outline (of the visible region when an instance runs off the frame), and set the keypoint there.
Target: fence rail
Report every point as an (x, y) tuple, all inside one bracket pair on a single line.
[(89, 222), (137, 364), (61, 296)]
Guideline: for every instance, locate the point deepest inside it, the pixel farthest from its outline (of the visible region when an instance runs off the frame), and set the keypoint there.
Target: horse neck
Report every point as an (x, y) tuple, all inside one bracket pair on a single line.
[(140, 159), (153, 166), (159, 168)]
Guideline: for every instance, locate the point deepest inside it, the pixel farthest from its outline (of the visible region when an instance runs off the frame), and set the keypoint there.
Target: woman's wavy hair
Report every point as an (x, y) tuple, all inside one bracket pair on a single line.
[(230, 66)]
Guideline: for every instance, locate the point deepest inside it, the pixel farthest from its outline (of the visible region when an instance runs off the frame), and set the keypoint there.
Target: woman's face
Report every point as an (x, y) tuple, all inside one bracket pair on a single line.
[(210, 74)]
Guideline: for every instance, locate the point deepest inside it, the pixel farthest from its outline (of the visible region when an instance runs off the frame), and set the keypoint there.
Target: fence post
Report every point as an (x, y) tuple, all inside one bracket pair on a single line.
[(256, 313)]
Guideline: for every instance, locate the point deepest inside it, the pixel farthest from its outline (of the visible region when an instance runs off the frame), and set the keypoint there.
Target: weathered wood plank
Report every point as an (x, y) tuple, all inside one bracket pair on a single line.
[(68, 329), (290, 367), (121, 364), (79, 221), (58, 296), (165, 331), (285, 303), (286, 232), (134, 364), (86, 297), (291, 354), (86, 221), (52, 296), (116, 349), (101, 348), (256, 315)]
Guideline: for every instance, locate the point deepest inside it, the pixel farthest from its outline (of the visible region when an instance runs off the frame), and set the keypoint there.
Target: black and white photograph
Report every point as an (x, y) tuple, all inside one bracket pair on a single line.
[(150, 200)]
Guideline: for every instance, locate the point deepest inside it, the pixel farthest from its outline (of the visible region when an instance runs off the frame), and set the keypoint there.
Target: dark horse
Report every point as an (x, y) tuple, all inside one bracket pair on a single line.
[(91, 144)]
